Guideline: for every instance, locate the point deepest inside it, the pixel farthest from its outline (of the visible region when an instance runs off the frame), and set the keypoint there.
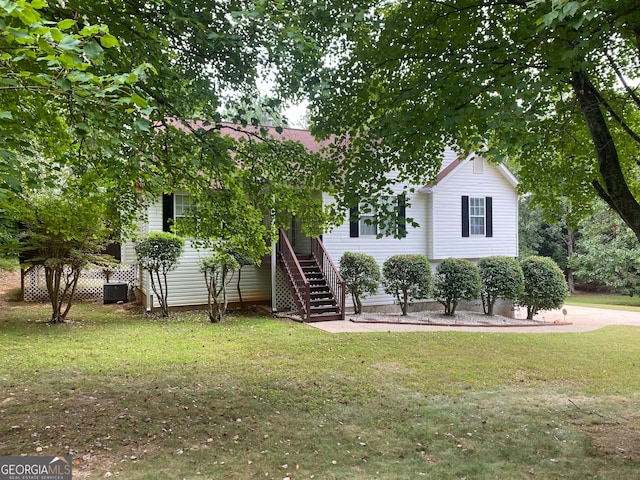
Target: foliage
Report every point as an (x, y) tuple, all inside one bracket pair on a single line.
[(243, 261), (544, 285), (63, 231), (551, 235), (217, 270), (159, 253), (361, 274), (407, 277), (54, 85), (501, 278), (130, 93), (259, 175), (608, 253), (549, 84), (456, 279)]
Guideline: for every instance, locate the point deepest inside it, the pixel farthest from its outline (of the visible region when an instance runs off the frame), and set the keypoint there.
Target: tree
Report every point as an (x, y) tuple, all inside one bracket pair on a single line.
[(49, 72), (544, 285), (608, 253), (501, 278), (551, 84), (456, 279), (547, 235), (361, 274), (158, 253), (218, 269), (63, 231), (126, 91), (407, 277)]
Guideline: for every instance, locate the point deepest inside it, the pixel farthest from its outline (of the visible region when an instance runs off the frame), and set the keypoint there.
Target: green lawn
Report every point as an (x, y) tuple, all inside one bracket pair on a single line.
[(256, 397), (614, 302)]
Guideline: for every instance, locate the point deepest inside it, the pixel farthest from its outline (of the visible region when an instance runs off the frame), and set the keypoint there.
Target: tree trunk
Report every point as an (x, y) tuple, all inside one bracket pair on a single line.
[(615, 190), (239, 290), (571, 242), (357, 303), (403, 304)]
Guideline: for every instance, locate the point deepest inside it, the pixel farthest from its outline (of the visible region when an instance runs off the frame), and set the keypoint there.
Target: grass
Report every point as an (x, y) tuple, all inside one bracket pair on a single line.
[(613, 302), (255, 397)]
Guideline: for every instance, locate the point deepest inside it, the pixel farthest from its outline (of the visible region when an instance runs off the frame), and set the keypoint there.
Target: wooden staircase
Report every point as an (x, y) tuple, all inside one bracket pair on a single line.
[(315, 284), (323, 304)]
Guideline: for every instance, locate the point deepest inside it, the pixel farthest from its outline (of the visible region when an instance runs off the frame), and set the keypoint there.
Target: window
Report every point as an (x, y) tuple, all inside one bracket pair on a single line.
[(367, 219), (476, 216), (181, 205), (363, 216)]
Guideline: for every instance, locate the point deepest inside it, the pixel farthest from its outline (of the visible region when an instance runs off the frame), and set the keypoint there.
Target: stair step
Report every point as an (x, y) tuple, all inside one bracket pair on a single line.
[(315, 309), (321, 295), (323, 301), (325, 317)]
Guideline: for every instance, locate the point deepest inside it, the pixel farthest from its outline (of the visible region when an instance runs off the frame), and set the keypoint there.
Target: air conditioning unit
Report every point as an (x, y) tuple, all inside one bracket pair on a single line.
[(115, 292)]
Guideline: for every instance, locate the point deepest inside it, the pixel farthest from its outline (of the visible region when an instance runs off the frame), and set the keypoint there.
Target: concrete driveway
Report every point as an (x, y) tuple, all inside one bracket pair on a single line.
[(580, 319)]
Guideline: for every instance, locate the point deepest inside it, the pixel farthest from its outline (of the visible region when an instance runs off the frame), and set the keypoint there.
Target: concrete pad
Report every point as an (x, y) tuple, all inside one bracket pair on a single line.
[(581, 319)]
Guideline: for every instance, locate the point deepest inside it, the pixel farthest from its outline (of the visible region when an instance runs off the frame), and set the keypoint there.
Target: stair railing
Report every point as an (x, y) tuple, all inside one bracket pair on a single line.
[(331, 274), (297, 281)]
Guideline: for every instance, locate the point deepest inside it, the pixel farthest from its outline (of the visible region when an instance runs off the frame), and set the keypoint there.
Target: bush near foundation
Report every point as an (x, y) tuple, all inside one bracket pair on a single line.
[(545, 287)]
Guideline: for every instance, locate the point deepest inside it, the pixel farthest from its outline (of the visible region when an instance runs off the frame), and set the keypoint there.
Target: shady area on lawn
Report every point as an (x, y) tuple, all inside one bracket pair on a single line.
[(136, 397)]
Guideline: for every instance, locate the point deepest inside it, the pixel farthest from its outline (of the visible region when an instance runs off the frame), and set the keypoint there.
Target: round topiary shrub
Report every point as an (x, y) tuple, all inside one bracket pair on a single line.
[(407, 277), (456, 279), (545, 287), (361, 273), (158, 253), (501, 278)]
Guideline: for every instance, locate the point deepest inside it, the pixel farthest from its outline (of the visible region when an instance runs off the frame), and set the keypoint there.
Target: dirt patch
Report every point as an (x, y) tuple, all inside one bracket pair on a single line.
[(616, 439), (9, 287)]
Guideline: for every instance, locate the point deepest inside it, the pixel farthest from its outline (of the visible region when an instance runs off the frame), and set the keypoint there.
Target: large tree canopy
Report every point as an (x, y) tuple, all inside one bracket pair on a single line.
[(549, 83), (128, 94)]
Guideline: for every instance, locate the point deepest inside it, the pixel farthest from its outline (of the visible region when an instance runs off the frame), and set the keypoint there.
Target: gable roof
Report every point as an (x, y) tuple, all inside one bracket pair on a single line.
[(450, 170)]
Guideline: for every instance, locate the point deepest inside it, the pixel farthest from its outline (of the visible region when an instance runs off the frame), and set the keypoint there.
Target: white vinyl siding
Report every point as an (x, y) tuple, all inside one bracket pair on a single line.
[(447, 240), (186, 283), (338, 241)]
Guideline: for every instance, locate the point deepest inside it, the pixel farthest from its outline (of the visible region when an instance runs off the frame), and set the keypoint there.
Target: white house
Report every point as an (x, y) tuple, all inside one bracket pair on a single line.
[(470, 212)]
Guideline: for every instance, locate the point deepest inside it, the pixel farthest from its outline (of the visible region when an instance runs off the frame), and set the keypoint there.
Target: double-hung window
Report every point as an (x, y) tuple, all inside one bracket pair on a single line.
[(477, 216), (365, 217), (181, 206)]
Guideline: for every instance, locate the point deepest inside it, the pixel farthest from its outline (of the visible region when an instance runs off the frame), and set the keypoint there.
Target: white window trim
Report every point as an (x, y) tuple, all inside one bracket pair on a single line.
[(472, 216)]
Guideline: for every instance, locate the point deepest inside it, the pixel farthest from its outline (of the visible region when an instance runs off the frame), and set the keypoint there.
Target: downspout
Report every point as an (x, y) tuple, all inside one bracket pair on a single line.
[(274, 290)]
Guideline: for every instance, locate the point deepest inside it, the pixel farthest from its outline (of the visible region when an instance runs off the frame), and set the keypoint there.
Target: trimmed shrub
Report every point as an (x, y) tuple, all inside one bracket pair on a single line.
[(545, 287), (501, 278), (361, 273), (407, 277), (158, 253), (456, 279)]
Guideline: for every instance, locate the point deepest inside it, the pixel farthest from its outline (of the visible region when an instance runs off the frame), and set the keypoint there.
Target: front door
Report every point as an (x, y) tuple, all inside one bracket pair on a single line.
[(300, 243)]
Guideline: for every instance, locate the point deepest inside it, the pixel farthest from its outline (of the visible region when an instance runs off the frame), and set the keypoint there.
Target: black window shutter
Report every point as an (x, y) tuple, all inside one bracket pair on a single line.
[(402, 215), (167, 211), (465, 216), (354, 230), (489, 216)]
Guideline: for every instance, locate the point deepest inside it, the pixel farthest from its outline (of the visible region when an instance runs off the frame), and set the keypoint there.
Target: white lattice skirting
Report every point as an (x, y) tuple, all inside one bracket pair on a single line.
[(90, 284)]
